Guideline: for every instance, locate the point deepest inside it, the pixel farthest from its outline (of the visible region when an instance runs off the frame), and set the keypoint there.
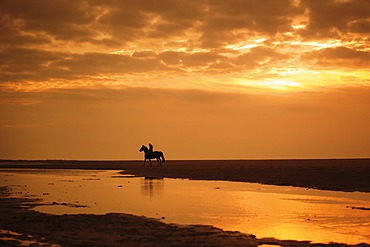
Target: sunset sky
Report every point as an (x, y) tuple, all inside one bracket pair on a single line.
[(199, 79)]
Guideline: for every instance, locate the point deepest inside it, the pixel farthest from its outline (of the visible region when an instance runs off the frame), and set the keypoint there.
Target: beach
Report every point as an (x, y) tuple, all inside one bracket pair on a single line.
[(21, 224), (327, 174)]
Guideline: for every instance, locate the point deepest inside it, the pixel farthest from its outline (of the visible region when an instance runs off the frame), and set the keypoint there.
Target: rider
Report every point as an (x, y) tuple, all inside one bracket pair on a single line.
[(150, 148)]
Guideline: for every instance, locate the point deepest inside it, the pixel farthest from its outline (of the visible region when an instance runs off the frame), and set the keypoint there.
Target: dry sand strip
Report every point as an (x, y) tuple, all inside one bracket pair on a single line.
[(333, 174), (20, 224)]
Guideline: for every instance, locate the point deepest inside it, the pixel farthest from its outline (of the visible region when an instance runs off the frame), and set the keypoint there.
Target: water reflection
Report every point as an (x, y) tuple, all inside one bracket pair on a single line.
[(152, 186), (263, 210)]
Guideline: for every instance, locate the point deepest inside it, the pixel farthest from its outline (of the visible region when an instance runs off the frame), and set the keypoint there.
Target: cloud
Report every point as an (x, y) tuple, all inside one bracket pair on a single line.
[(339, 57), (60, 19), (27, 64), (117, 22), (259, 55), (207, 24), (360, 26), (334, 19), (99, 63), (190, 60), (47, 41), (13, 36), (233, 21), (257, 11), (39, 65)]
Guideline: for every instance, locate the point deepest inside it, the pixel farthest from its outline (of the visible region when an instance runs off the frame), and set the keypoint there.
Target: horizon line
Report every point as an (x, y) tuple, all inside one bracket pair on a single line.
[(236, 159)]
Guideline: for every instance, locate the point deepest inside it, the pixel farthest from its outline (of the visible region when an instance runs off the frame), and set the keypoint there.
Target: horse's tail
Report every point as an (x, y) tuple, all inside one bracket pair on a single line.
[(163, 157)]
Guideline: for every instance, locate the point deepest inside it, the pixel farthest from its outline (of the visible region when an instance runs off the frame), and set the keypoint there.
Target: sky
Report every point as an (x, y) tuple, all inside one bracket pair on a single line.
[(199, 79)]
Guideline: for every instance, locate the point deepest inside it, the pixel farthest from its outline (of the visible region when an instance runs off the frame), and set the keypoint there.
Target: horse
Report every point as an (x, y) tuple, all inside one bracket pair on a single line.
[(152, 155)]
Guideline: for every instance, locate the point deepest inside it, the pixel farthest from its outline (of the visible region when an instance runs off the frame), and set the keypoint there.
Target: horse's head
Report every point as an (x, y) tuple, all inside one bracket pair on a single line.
[(143, 148)]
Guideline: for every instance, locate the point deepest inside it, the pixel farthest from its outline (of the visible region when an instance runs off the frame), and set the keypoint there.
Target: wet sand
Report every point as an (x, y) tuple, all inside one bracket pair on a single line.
[(19, 223), (341, 174), (105, 230)]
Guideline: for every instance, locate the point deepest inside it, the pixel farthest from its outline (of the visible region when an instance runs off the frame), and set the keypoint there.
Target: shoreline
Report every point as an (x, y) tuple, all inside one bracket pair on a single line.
[(347, 175)]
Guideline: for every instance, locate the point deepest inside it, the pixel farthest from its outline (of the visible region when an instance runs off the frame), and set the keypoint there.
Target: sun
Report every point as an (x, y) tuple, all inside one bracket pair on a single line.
[(282, 85), (271, 85)]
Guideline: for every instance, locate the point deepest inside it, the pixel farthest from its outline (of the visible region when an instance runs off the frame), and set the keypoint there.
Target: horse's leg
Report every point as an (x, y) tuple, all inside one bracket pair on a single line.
[(144, 162), (150, 161)]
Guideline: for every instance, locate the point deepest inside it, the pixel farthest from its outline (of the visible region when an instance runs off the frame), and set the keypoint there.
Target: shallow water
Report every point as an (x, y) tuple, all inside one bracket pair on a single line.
[(263, 210)]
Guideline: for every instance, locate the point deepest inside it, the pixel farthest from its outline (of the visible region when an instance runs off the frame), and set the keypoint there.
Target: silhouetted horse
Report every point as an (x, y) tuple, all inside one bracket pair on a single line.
[(152, 155)]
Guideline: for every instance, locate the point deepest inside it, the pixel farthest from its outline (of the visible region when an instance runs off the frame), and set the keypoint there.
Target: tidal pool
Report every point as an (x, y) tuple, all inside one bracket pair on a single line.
[(263, 210)]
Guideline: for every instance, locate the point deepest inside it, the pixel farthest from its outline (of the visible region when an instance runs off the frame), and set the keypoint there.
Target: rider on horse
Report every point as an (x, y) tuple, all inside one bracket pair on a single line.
[(150, 154)]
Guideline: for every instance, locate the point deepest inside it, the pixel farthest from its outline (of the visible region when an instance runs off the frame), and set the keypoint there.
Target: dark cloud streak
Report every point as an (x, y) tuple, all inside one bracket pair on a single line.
[(339, 57), (332, 19), (39, 65)]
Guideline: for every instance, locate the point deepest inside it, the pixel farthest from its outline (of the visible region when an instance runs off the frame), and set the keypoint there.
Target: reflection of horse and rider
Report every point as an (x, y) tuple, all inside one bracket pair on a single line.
[(150, 154)]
